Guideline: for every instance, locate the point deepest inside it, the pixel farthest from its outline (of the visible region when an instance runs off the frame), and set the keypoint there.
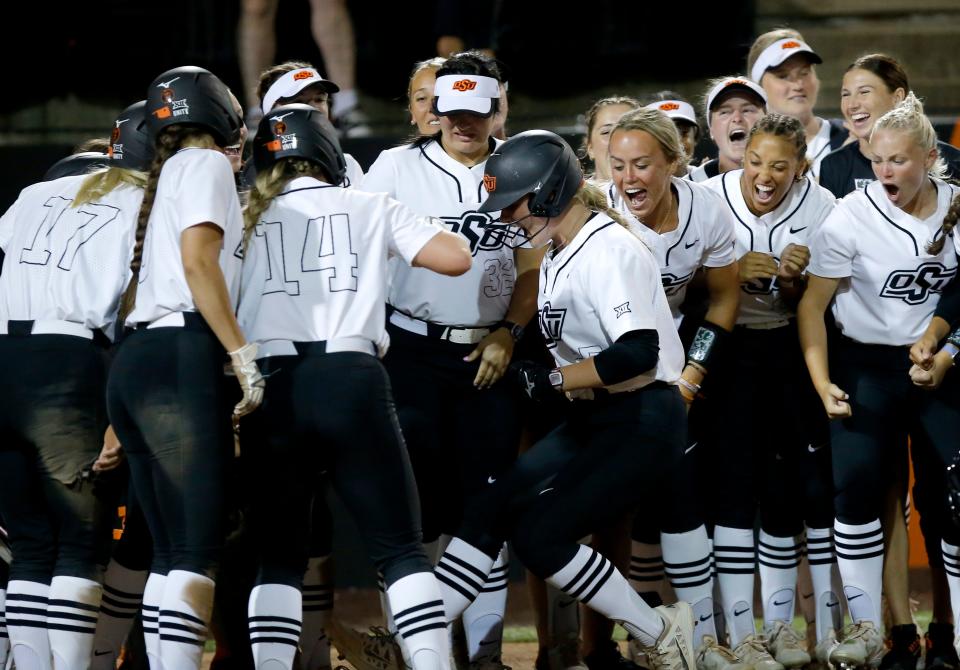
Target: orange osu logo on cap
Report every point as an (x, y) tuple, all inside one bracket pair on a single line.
[(669, 106), (489, 183), (303, 74), (790, 45), (162, 113), (464, 85), (274, 145)]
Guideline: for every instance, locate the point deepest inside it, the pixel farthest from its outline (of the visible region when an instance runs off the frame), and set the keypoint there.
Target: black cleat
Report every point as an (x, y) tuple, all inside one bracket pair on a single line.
[(941, 654), (608, 657), (904, 651)]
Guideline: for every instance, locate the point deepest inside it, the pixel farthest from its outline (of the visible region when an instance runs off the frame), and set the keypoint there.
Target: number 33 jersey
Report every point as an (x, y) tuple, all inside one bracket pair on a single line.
[(67, 263), (315, 267), (889, 285), (431, 183)]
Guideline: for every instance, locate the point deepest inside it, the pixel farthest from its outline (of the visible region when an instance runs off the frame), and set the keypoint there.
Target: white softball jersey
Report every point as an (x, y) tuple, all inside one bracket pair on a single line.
[(889, 285), (818, 148), (315, 268), (704, 237), (604, 283), (354, 171), (431, 183), (66, 263), (794, 221), (196, 186)]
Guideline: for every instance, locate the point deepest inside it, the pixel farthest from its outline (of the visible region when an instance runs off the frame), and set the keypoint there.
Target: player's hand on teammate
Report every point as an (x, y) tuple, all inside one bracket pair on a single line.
[(931, 376), (794, 259), (111, 454), (835, 401), (757, 265), (923, 351), (534, 379), (494, 352), (244, 364)]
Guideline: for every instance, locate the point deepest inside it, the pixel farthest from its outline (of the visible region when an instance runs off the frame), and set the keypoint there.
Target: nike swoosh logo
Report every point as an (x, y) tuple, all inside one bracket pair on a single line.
[(794, 231), (687, 245), (705, 617), (837, 602), (491, 480), (545, 491), (849, 598), (812, 449), (102, 653), (736, 613), (775, 603)]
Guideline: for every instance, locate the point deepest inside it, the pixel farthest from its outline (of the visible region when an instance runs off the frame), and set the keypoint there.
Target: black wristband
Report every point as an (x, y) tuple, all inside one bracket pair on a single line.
[(707, 342)]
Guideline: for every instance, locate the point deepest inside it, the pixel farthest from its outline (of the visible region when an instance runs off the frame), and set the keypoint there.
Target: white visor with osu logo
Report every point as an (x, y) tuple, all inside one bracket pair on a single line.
[(457, 93), (675, 109)]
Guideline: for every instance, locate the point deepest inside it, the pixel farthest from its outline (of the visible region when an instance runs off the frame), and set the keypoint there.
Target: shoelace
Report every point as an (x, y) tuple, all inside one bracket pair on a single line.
[(756, 643), (718, 648), (788, 634)]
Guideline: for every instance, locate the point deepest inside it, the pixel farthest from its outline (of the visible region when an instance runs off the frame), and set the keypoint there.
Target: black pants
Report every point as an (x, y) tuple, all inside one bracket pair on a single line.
[(770, 447), (168, 405), (52, 420), (599, 464), (330, 412), (459, 438), (868, 447)]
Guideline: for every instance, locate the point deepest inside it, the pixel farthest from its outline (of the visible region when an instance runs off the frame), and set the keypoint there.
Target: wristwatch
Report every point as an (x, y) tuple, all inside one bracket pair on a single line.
[(556, 379), (515, 329)]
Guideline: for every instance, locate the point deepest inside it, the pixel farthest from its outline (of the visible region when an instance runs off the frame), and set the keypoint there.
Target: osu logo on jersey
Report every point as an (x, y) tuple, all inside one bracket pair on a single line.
[(915, 286), (464, 85), (672, 283), (551, 324), (479, 230), (489, 183)]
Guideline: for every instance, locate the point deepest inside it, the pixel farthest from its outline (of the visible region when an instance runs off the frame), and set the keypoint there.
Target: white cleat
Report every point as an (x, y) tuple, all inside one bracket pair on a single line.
[(786, 646), (674, 649), (753, 652), (713, 656), (862, 645)]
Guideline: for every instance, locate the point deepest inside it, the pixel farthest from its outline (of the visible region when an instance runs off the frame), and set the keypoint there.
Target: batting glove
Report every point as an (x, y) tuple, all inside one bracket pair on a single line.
[(248, 374)]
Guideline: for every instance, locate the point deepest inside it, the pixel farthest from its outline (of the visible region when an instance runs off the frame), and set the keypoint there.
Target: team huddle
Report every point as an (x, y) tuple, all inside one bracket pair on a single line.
[(652, 380)]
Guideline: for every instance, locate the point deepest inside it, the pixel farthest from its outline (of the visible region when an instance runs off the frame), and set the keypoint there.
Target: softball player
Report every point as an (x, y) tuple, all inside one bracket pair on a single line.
[(687, 228), (606, 320), (778, 209), (731, 106), (784, 65), (67, 243), (883, 259), (318, 327), (420, 96), (684, 117), (600, 120), (872, 86), (180, 305), (452, 338), (74, 164)]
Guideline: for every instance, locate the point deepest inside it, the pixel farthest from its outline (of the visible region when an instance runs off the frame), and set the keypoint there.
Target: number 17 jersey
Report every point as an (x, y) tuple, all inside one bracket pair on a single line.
[(67, 263)]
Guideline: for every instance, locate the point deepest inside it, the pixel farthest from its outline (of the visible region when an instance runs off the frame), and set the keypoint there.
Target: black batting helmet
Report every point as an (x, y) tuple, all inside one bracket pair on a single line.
[(131, 143), (537, 163), (299, 131), (75, 164), (193, 96)]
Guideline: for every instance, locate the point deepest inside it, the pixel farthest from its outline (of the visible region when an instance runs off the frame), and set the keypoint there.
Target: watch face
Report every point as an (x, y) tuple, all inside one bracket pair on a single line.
[(556, 379)]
